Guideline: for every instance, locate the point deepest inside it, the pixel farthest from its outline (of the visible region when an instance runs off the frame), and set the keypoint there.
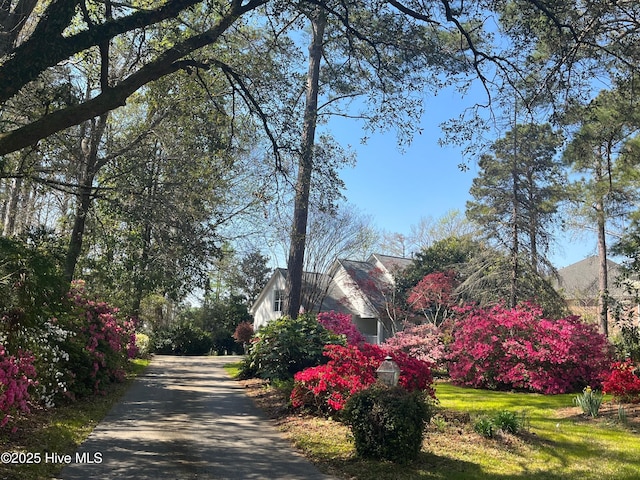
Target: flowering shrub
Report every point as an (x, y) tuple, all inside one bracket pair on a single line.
[(47, 345), (17, 376), (500, 348), (623, 382), (341, 324), (423, 342), (100, 346), (350, 369)]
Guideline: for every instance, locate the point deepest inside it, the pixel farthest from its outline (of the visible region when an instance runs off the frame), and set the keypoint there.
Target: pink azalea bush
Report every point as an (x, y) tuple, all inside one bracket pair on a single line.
[(17, 377), (423, 342), (501, 348), (341, 324), (101, 346), (326, 388)]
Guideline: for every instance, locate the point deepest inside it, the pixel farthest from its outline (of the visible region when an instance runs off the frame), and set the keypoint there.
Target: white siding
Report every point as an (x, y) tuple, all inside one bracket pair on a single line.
[(264, 312)]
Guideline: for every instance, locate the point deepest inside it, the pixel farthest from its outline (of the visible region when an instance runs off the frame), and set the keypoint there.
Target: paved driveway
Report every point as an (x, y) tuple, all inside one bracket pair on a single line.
[(185, 419)]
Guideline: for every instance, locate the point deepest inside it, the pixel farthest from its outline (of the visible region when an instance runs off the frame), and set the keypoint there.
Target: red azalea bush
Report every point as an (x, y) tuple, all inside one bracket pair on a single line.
[(423, 342), (433, 296), (17, 375), (101, 346), (623, 382), (326, 388), (341, 324), (500, 348)]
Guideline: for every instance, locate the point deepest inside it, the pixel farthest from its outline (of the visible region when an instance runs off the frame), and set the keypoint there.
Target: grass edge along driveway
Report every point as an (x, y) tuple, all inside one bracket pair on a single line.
[(557, 443)]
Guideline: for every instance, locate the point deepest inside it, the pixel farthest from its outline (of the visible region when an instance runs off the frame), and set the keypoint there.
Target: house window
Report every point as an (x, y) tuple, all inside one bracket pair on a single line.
[(278, 298)]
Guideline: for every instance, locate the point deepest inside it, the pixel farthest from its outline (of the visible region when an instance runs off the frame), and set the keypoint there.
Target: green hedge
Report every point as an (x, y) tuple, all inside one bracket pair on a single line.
[(388, 423)]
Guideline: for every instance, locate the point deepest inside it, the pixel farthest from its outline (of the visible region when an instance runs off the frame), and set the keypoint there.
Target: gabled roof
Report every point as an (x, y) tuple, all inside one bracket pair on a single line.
[(329, 300), (580, 280), (392, 264), (370, 278)]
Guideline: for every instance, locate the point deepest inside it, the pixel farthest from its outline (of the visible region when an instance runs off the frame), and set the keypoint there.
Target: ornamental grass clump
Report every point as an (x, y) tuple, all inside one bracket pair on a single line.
[(589, 401), (388, 423), (504, 421)]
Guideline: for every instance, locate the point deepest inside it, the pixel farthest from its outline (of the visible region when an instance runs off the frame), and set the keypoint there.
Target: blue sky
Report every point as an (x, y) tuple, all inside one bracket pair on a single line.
[(398, 188)]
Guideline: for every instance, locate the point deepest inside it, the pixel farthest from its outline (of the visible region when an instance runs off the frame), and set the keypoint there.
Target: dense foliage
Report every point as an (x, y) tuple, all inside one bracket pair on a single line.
[(388, 423), (182, 339), (100, 346), (516, 348), (623, 382), (326, 388), (54, 346), (286, 346)]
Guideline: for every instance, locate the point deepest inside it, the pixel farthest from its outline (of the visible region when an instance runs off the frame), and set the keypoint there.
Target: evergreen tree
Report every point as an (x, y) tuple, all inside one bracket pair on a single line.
[(516, 196), (604, 153)]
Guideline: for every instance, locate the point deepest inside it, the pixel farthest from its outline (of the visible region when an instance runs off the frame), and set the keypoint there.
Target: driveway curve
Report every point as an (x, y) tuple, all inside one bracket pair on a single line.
[(184, 418)]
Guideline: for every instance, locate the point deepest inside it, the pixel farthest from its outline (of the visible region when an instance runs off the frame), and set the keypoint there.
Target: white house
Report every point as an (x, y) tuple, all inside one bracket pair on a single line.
[(361, 289)]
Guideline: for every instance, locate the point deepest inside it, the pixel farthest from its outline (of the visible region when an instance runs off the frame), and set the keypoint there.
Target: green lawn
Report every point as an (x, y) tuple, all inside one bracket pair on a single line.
[(560, 443), (557, 443)]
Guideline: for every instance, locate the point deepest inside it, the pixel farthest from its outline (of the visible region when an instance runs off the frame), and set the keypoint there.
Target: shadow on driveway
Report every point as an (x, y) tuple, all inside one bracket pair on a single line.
[(184, 418)]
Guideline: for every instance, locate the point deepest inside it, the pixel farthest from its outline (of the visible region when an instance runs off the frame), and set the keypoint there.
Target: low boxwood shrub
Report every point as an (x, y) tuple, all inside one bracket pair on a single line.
[(388, 423)]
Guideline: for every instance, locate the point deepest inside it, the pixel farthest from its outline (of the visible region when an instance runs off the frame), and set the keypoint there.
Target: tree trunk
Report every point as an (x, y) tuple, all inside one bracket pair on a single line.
[(9, 220), (305, 168), (603, 276), (515, 244), (89, 154)]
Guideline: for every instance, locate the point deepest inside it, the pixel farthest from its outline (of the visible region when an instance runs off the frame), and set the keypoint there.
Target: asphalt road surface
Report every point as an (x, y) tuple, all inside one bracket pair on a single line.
[(186, 419)]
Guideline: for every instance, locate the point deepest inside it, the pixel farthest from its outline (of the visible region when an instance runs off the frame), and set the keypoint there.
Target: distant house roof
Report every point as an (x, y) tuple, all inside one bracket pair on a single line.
[(580, 280), (392, 264)]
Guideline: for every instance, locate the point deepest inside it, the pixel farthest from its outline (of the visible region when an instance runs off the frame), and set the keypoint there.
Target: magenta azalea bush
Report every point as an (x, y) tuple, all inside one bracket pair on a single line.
[(341, 324), (501, 348), (101, 345), (17, 377), (326, 388), (423, 342)]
